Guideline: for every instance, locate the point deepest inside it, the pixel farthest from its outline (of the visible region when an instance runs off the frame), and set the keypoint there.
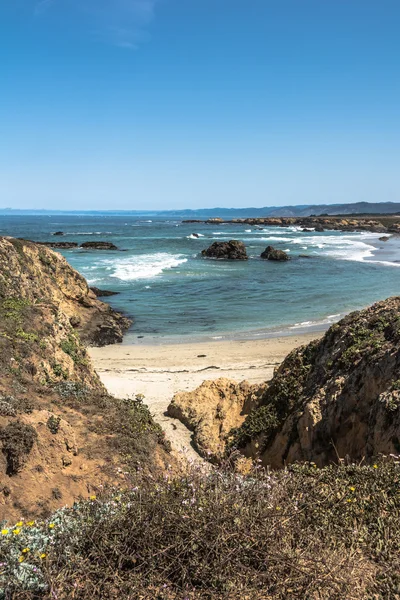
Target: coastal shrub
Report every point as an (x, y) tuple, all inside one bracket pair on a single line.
[(10, 406), (300, 533), (53, 423), (71, 390), (17, 440), (135, 430)]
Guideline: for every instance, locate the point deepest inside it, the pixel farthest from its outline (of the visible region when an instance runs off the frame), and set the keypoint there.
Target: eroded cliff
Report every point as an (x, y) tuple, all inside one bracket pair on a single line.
[(336, 397), (61, 435)]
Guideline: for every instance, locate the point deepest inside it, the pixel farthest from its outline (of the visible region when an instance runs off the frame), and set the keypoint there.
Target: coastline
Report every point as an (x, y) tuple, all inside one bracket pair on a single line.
[(159, 371)]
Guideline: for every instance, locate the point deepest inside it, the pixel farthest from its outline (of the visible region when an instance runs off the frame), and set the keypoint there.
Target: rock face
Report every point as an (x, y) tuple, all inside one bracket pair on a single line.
[(213, 410), (336, 397), (271, 253), (232, 250), (37, 274), (98, 246), (61, 434)]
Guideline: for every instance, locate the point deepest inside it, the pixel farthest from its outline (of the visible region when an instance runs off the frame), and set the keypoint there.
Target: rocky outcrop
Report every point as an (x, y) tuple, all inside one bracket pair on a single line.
[(36, 274), (102, 293), (61, 435), (232, 250), (382, 224), (335, 398), (212, 410), (271, 253), (98, 246)]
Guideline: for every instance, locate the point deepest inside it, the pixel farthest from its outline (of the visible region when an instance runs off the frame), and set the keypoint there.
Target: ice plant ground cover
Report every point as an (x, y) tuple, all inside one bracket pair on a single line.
[(302, 532)]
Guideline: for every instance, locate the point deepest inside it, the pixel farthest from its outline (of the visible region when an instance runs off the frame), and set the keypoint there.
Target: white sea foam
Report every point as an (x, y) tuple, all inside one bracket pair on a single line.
[(194, 237), (247, 230), (326, 321), (143, 266)]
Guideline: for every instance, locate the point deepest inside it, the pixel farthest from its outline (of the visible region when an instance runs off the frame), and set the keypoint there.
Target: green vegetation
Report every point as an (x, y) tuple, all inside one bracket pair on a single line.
[(132, 426), (17, 440), (301, 533), (59, 371), (53, 423), (71, 347), (283, 395), (27, 337), (13, 308)]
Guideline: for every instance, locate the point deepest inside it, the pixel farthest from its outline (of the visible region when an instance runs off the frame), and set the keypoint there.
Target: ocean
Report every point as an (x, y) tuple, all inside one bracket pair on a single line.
[(175, 295)]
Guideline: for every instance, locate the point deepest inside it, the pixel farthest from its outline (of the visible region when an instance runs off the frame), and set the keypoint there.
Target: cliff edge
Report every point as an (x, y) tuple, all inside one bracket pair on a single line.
[(334, 398), (61, 435)]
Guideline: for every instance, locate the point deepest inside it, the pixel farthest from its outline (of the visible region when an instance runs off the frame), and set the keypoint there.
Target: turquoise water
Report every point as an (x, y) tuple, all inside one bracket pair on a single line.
[(174, 294)]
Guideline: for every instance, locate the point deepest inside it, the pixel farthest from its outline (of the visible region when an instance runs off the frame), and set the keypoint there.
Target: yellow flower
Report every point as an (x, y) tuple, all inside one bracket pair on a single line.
[(348, 500), (352, 489), (375, 466), (25, 551), (19, 524), (21, 559), (93, 497), (30, 523), (4, 531), (16, 531), (51, 526), (43, 555), (278, 508)]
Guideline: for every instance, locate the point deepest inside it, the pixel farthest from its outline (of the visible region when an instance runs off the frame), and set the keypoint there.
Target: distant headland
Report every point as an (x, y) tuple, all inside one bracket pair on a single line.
[(300, 210)]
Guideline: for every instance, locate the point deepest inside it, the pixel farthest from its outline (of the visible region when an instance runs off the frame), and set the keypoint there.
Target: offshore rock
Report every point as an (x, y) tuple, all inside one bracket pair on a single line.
[(232, 250), (61, 245), (271, 253), (98, 246)]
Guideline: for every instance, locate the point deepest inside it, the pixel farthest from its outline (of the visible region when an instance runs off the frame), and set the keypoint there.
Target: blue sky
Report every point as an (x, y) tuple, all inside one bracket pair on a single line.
[(156, 104)]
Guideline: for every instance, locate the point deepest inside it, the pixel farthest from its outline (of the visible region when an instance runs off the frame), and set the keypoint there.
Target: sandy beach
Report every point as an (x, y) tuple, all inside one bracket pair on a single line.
[(159, 372)]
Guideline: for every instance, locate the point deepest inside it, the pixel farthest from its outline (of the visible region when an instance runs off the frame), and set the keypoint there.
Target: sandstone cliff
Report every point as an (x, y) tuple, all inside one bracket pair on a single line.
[(212, 410), (61, 435), (336, 397), (39, 276)]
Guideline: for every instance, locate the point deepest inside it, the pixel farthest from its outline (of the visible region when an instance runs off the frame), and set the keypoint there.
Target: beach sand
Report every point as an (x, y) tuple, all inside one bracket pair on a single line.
[(159, 372)]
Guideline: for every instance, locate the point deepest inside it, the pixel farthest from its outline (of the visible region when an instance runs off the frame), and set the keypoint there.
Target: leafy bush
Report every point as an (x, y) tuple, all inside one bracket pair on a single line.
[(53, 423), (301, 533), (17, 440)]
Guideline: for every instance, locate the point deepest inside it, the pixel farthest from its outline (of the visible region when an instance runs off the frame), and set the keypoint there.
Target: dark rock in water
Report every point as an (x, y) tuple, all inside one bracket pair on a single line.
[(232, 250), (271, 253), (58, 233), (305, 256), (307, 230), (319, 228), (102, 293), (65, 245), (384, 238), (196, 235), (98, 246)]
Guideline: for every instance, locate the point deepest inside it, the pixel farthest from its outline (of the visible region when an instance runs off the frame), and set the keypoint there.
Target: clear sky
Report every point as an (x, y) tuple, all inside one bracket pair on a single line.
[(156, 104)]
